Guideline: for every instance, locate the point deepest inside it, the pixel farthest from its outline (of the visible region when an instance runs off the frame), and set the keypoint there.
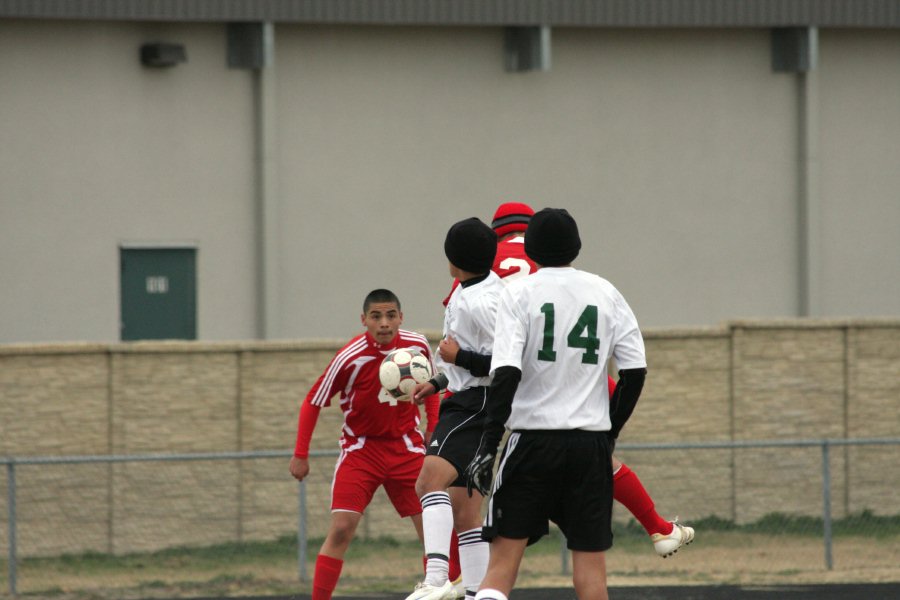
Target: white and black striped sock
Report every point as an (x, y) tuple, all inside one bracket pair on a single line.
[(437, 526), (474, 553)]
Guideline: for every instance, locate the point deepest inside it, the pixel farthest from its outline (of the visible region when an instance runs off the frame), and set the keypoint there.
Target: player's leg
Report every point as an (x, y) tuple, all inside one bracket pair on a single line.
[(455, 572), (330, 561), (589, 575), (667, 536), (631, 493), (403, 469), (437, 521), (452, 446), (526, 482), (583, 510), (417, 524), (503, 568), (340, 533), (356, 477), (457, 437), (474, 552)]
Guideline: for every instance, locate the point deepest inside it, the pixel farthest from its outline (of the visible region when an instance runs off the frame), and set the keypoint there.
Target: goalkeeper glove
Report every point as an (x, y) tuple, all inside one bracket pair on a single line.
[(480, 472)]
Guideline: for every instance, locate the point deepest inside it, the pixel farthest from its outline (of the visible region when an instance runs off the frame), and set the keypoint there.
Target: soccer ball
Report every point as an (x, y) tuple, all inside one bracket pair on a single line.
[(401, 370)]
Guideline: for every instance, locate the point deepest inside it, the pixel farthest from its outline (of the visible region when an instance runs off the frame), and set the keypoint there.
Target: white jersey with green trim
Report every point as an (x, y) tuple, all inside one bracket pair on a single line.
[(559, 327), (469, 318)]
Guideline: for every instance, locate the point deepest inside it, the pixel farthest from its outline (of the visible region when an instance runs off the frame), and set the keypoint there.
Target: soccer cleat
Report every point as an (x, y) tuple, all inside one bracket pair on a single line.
[(426, 591), (458, 590), (667, 545)]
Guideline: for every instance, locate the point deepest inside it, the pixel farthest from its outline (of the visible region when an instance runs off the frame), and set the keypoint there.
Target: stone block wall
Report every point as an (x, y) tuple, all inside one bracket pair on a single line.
[(685, 399), (744, 381)]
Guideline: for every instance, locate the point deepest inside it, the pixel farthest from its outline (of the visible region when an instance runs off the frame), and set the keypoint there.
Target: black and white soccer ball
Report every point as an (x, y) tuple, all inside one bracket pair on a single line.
[(401, 370)]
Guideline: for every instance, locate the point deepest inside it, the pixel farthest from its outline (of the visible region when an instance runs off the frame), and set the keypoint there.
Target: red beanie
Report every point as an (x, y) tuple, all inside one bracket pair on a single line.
[(510, 217)]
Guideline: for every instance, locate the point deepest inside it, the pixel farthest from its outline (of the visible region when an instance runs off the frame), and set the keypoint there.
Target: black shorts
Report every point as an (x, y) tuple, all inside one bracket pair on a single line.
[(560, 476), (458, 431)]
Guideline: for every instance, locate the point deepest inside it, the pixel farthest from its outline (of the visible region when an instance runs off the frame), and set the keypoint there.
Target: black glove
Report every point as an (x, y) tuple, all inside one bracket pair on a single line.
[(480, 472)]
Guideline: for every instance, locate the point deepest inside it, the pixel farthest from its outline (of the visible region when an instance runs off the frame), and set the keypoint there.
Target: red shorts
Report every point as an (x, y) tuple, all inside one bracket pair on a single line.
[(366, 463)]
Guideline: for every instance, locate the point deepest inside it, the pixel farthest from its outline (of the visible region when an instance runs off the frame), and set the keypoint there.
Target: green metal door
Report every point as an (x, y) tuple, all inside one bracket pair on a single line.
[(159, 297)]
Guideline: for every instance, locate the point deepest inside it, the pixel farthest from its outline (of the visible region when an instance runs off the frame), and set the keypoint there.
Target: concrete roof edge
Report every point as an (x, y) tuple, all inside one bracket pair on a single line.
[(554, 13)]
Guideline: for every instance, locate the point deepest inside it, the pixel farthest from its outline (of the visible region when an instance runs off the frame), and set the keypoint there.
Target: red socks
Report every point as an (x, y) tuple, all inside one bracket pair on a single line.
[(328, 571), (629, 490), (455, 570)]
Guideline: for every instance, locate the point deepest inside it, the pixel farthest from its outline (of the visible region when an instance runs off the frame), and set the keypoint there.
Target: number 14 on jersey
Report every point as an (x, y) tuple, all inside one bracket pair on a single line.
[(582, 335)]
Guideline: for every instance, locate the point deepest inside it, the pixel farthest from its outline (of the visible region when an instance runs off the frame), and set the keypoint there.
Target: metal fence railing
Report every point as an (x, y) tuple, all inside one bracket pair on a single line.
[(258, 513), (824, 444)]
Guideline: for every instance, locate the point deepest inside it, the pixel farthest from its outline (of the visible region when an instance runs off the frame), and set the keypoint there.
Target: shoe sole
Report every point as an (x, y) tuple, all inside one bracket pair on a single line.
[(678, 547), (673, 552), (688, 543)]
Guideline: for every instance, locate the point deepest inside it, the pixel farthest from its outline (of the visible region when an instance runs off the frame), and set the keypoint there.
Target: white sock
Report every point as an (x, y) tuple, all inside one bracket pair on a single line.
[(437, 527), (488, 594), (473, 558)]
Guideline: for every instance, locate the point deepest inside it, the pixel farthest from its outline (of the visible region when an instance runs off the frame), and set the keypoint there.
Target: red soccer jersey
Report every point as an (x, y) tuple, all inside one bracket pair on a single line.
[(353, 372), (511, 261)]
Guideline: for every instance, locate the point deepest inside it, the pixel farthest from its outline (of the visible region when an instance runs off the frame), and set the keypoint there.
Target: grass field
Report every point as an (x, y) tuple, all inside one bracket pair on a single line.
[(775, 550)]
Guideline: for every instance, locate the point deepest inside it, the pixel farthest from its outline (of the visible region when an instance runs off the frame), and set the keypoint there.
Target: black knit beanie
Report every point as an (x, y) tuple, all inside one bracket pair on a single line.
[(471, 246), (552, 239)]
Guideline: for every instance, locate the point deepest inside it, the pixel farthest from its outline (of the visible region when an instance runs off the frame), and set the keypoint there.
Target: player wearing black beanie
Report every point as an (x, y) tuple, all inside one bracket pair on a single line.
[(471, 245), (554, 334), (552, 239), (463, 365)]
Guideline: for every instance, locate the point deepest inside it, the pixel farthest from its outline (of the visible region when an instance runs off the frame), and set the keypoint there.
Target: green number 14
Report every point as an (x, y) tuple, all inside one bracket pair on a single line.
[(582, 335)]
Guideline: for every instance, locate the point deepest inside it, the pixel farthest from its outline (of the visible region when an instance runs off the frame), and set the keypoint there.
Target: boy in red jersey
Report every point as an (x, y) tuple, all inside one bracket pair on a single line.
[(381, 443)]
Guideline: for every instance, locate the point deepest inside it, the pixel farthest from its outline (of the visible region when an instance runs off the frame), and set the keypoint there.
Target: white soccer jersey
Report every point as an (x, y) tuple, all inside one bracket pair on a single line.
[(559, 327), (469, 318)]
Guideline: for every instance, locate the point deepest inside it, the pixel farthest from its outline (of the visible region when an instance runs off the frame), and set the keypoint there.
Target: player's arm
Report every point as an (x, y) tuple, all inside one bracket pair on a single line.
[(432, 415), (628, 350), (319, 395), (477, 364), (625, 397), (500, 399), (427, 393), (309, 415), (432, 412), (424, 390)]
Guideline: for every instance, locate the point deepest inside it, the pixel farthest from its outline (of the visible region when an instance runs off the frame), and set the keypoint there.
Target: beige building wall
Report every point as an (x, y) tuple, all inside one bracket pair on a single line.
[(676, 150), (859, 100), (98, 151), (743, 381)]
